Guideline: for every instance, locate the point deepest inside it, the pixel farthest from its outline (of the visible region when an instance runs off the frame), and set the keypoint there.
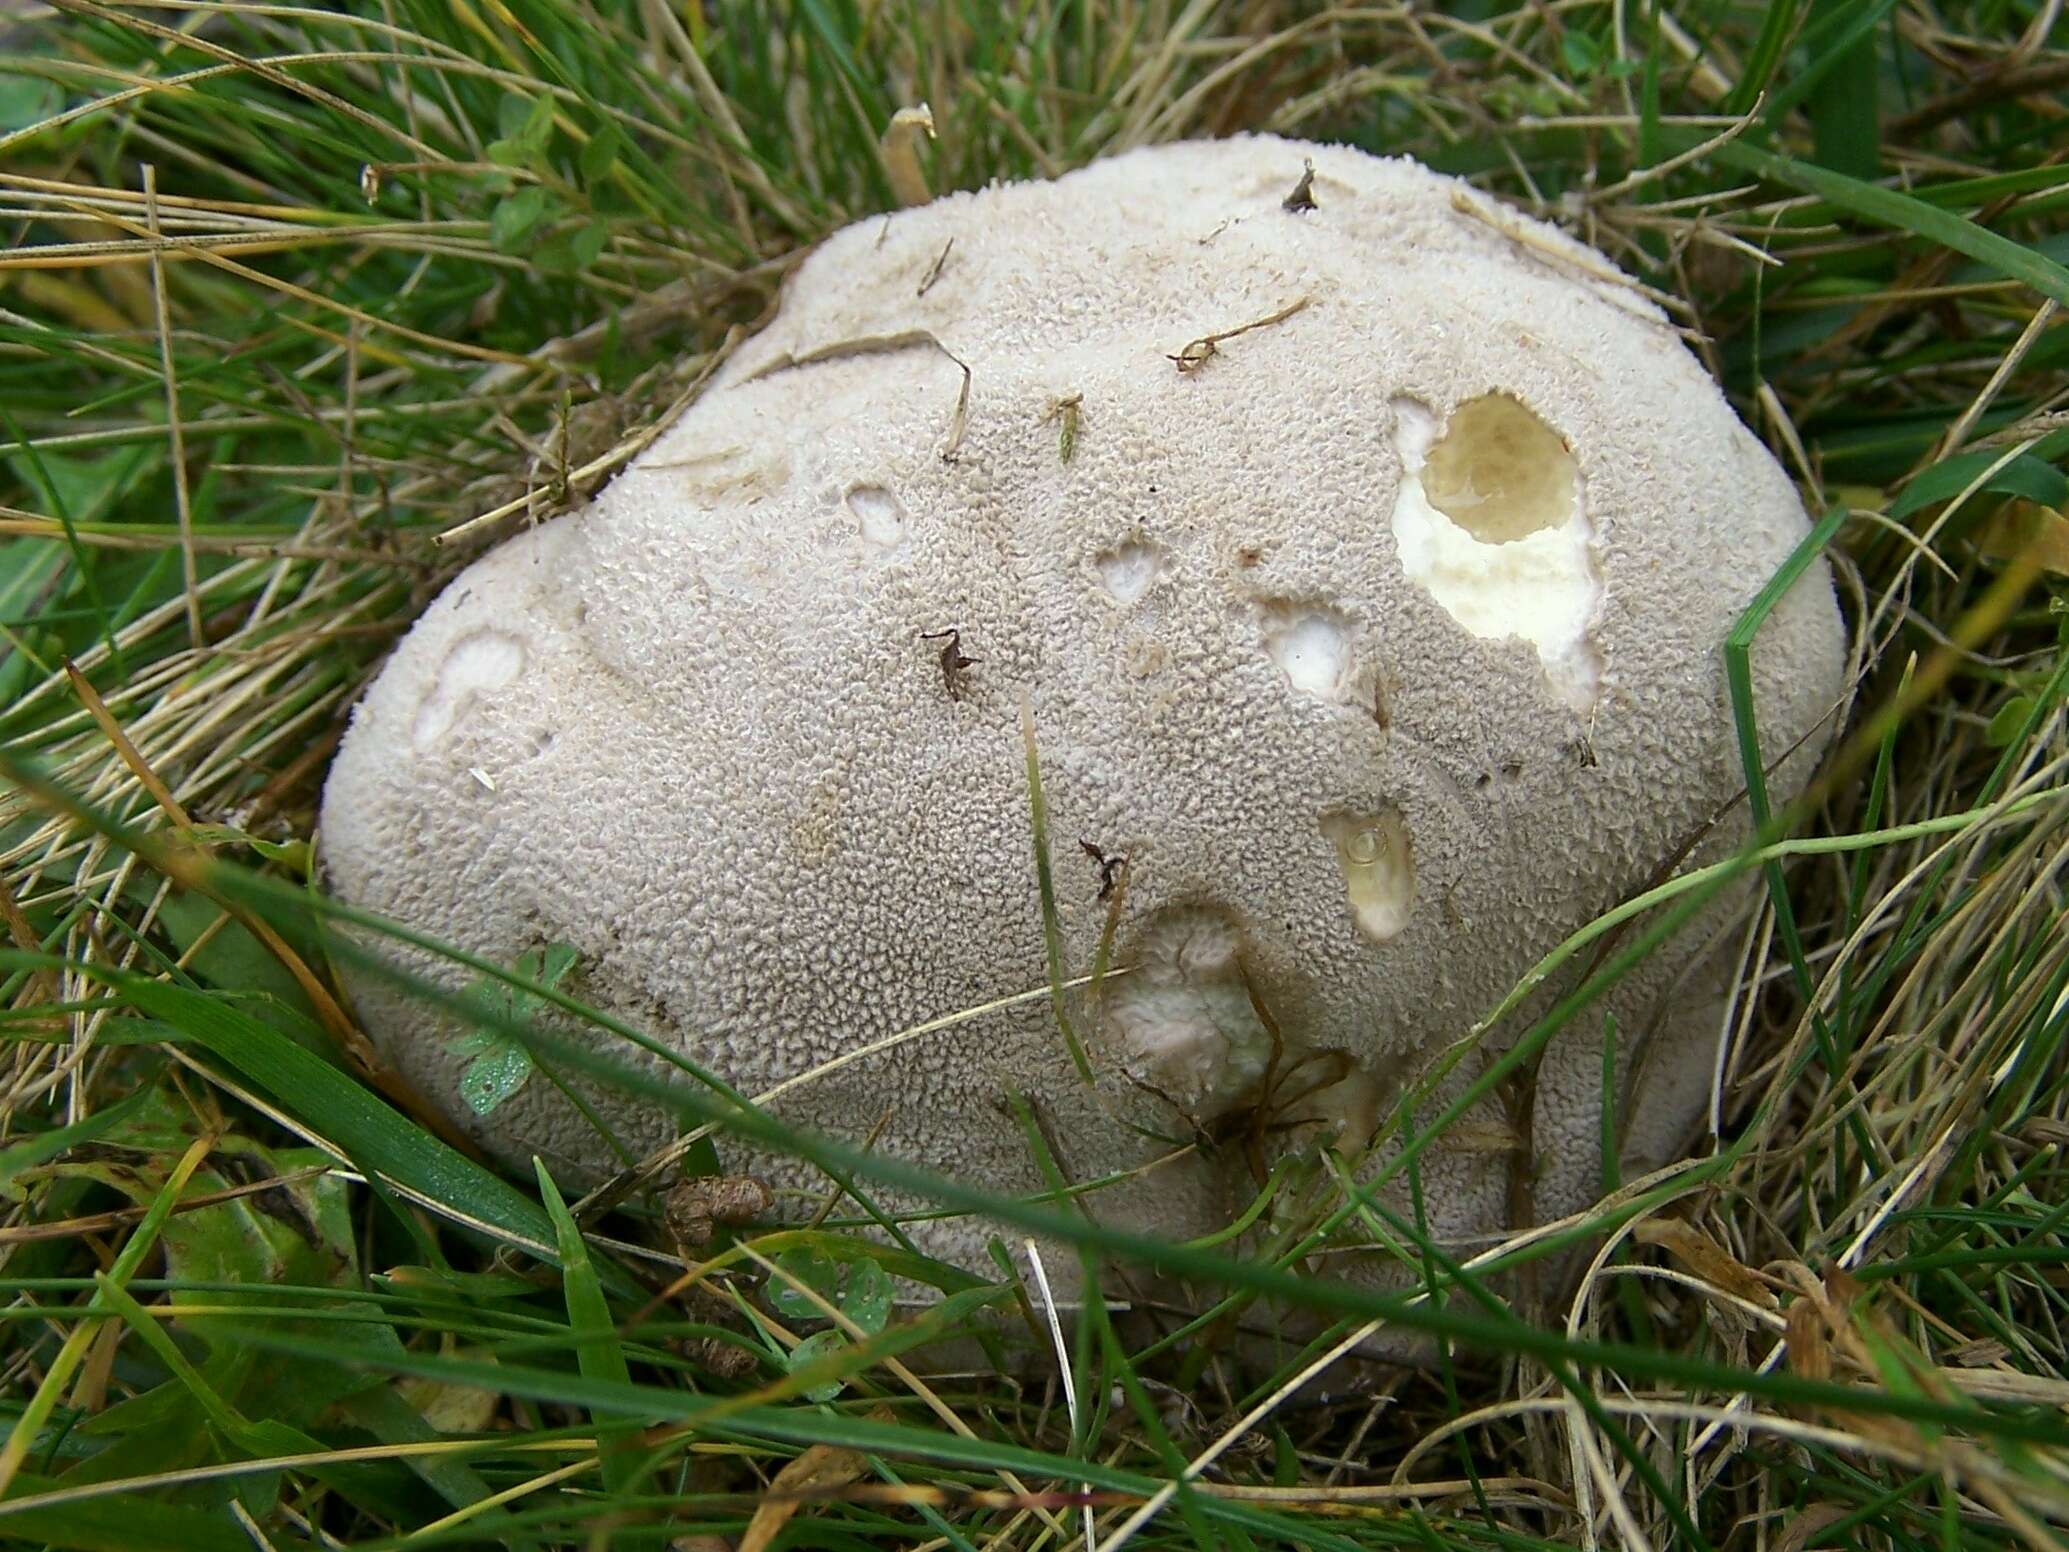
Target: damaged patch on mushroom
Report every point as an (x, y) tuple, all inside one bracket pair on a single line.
[(879, 519), (1184, 1018), (477, 665), (1377, 859), (1128, 569), (1311, 646), (1490, 520)]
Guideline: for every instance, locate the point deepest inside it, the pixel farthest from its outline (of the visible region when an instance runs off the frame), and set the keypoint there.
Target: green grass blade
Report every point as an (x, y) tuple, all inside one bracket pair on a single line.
[(597, 1351), (378, 1139), (1903, 212)]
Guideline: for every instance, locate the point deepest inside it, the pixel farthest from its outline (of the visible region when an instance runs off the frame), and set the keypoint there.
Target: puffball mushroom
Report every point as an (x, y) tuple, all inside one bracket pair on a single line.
[(1366, 562)]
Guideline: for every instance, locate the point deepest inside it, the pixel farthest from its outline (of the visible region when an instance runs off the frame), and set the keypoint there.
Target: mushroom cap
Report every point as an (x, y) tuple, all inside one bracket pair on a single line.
[(1382, 639)]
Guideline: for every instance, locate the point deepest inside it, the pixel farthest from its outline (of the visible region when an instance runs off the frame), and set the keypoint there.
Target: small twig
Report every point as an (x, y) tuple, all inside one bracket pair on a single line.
[(97, 708), (878, 345), (1199, 352), (1110, 865), (1693, 154), (934, 270)]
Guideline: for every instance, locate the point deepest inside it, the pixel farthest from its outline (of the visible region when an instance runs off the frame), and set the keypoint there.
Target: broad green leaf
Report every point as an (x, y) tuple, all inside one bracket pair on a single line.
[(2010, 718), (25, 100), (81, 488), (2030, 475), (41, 1147), (601, 154), (499, 1065), (231, 958), (293, 1235), (537, 130), (1582, 54), (497, 1069), (512, 114), (588, 244)]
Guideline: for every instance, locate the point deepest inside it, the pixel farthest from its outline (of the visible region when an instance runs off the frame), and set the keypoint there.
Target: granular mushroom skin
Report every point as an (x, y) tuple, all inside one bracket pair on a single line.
[(1369, 597)]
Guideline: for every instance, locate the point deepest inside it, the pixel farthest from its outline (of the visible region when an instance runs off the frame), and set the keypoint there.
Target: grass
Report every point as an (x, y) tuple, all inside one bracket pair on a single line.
[(290, 294)]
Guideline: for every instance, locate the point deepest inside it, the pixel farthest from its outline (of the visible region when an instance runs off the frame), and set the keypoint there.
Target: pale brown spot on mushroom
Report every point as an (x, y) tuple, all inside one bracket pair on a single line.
[(1499, 472), (1377, 858)]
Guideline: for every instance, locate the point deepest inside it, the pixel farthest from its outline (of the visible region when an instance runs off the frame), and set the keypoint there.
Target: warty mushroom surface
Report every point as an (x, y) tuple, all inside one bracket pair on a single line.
[(1366, 562)]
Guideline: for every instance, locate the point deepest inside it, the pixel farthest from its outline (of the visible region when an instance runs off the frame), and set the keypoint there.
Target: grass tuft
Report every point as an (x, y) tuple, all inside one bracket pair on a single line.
[(300, 308)]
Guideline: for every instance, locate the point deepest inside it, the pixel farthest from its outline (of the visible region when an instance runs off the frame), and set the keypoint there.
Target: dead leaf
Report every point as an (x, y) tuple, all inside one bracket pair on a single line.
[(1814, 1518), (820, 1467), (1706, 1258), (1979, 1354), (1480, 1137), (2000, 1385), (2028, 527), (1842, 1291), (1810, 1354), (2043, 1130), (900, 151)]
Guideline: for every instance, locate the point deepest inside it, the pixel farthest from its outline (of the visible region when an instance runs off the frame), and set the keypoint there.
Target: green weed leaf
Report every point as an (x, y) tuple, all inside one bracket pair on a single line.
[(2010, 718), (814, 1271), (601, 154), (867, 1297), (516, 217), (499, 1066), (24, 100), (810, 1351)]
